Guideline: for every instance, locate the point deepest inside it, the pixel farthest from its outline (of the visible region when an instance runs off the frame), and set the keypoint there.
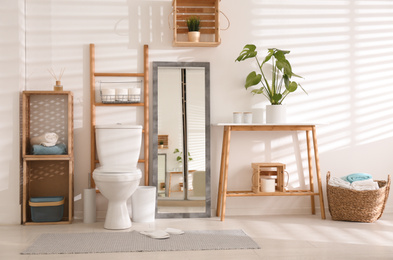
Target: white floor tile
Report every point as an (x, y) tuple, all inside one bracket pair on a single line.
[(280, 237)]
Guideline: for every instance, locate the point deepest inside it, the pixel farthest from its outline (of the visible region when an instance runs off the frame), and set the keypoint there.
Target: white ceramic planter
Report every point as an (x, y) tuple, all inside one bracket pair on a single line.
[(194, 36), (276, 114)]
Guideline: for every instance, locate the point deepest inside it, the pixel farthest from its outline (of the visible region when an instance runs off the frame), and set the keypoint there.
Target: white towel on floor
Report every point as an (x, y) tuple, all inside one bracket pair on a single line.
[(338, 182), (174, 231), (47, 139), (156, 234), (365, 185)]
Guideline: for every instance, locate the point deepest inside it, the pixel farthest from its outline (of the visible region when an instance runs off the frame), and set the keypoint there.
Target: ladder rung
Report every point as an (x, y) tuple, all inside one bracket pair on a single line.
[(139, 161), (120, 104), (113, 74)]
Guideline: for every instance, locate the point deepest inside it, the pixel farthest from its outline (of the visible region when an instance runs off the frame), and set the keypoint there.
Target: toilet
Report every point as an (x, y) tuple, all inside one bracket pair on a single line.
[(118, 149)]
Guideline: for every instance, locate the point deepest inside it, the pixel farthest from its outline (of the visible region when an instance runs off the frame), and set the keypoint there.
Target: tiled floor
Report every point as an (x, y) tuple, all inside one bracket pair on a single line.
[(280, 237)]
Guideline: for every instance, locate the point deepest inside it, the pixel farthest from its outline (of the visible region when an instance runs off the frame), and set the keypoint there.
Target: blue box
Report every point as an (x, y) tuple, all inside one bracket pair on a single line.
[(47, 209)]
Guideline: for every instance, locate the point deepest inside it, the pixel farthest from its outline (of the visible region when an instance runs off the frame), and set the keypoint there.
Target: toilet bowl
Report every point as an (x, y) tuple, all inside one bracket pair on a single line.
[(117, 178), (117, 187)]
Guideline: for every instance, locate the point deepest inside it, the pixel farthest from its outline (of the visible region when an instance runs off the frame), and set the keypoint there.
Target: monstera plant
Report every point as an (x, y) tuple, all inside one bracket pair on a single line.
[(280, 84)]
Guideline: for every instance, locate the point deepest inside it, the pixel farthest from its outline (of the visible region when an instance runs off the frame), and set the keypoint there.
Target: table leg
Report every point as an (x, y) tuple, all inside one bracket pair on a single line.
[(322, 205), (170, 183), (222, 169), (310, 174), (225, 172)]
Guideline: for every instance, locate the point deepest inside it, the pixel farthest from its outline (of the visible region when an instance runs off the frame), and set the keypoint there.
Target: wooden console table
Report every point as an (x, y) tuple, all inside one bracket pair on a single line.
[(223, 193)]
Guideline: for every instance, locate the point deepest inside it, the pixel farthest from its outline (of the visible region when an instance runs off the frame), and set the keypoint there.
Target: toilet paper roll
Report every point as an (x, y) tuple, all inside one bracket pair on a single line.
[(144, 204), (268, 185), (121, 94), (134, 94), (108, 94), (89, 205)]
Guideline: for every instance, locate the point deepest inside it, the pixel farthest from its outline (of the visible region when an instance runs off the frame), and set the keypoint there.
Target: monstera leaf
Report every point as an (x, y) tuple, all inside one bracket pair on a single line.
[(249, 51), (253, 79)]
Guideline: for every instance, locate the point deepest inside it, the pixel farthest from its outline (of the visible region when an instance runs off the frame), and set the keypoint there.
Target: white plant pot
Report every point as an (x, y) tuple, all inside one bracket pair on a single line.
[(194, 36), (276, 114)]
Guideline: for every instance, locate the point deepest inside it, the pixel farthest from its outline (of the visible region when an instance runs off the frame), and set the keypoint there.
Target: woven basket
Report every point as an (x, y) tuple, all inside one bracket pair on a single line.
[(361, 206)]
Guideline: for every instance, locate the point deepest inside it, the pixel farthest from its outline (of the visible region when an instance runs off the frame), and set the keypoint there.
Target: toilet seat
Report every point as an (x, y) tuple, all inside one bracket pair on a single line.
[(116, 175)]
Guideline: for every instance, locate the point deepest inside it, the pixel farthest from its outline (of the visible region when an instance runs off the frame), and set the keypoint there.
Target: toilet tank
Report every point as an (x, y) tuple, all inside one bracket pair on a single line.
[(118, 146)]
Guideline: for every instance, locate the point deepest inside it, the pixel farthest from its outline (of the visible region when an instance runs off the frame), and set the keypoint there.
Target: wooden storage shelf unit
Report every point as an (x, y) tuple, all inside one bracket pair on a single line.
[(209, 13), (48, 175), (144, 103)]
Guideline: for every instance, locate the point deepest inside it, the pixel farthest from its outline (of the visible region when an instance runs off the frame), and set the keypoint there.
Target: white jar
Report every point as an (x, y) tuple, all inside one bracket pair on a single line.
[(247, 117), (237, 117), (268, 184)]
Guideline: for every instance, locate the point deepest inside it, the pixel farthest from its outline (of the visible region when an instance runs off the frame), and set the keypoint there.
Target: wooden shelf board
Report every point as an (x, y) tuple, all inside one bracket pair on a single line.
[(195, 44), (64, 157), (63, 222), (121, 104), (46, 92), (277, 193)]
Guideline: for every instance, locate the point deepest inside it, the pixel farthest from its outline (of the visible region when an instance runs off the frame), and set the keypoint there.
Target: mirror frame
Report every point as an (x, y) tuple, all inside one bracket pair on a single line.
[(154, 136)]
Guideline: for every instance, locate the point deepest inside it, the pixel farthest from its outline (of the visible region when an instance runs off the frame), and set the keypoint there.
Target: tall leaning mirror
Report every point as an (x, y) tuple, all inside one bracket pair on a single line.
[(181, 139)]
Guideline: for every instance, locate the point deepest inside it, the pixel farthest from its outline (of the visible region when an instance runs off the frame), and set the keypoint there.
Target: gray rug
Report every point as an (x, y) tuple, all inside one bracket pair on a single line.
[(112, 242)]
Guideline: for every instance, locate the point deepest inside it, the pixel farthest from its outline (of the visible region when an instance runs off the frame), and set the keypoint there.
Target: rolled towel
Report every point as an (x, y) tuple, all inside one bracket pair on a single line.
[(108, 94), (47, 139), (121, 94), (357, 177), (368, 184), (52, 150), (338, 182)]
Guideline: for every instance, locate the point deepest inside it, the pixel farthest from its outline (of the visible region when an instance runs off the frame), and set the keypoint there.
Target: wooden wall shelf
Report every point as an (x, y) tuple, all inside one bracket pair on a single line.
[(209, 13)]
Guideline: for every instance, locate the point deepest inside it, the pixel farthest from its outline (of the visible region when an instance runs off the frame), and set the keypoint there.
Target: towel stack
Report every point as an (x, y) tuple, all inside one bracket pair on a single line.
[(47, 139), (355, 181), (47, 144)]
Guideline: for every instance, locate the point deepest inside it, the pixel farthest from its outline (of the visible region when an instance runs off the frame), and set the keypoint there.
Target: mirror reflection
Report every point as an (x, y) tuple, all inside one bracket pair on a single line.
[(181, 159)]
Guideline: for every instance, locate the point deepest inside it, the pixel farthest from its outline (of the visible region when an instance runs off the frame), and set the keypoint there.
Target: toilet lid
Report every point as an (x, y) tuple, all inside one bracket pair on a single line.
[(116, 175)]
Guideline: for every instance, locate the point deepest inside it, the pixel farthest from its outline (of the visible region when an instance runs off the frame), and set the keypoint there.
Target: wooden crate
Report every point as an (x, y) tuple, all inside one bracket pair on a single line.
[(209, 13), (164, 140), (275, 170)]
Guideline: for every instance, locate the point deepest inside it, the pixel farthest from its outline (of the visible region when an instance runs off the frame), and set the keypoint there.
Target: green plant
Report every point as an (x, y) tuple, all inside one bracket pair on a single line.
[(179, 158), (281, 74), (193, 23)]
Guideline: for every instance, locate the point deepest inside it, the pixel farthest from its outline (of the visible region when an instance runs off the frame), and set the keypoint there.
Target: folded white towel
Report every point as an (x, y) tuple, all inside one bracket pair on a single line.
[(47, 139), (338, 182), (365, 185)]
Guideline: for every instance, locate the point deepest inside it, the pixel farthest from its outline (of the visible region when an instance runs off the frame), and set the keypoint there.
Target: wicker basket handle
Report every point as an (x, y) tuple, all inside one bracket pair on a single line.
[(327, 177), (386, 196), (387, 189)]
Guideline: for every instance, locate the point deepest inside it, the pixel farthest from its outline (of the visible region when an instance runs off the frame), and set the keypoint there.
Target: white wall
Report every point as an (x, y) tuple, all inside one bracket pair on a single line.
[(342, 48), (11, 82)]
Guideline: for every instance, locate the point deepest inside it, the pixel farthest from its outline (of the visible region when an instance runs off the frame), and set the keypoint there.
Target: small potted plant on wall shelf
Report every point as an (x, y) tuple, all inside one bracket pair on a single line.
[(193, 28), (276, 87)]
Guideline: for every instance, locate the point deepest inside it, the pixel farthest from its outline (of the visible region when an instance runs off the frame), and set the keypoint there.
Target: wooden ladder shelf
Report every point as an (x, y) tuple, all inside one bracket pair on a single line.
[(145, 104)]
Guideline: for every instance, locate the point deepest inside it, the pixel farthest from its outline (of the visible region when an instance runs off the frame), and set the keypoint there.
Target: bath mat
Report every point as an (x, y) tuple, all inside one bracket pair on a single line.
[(112, 242)]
